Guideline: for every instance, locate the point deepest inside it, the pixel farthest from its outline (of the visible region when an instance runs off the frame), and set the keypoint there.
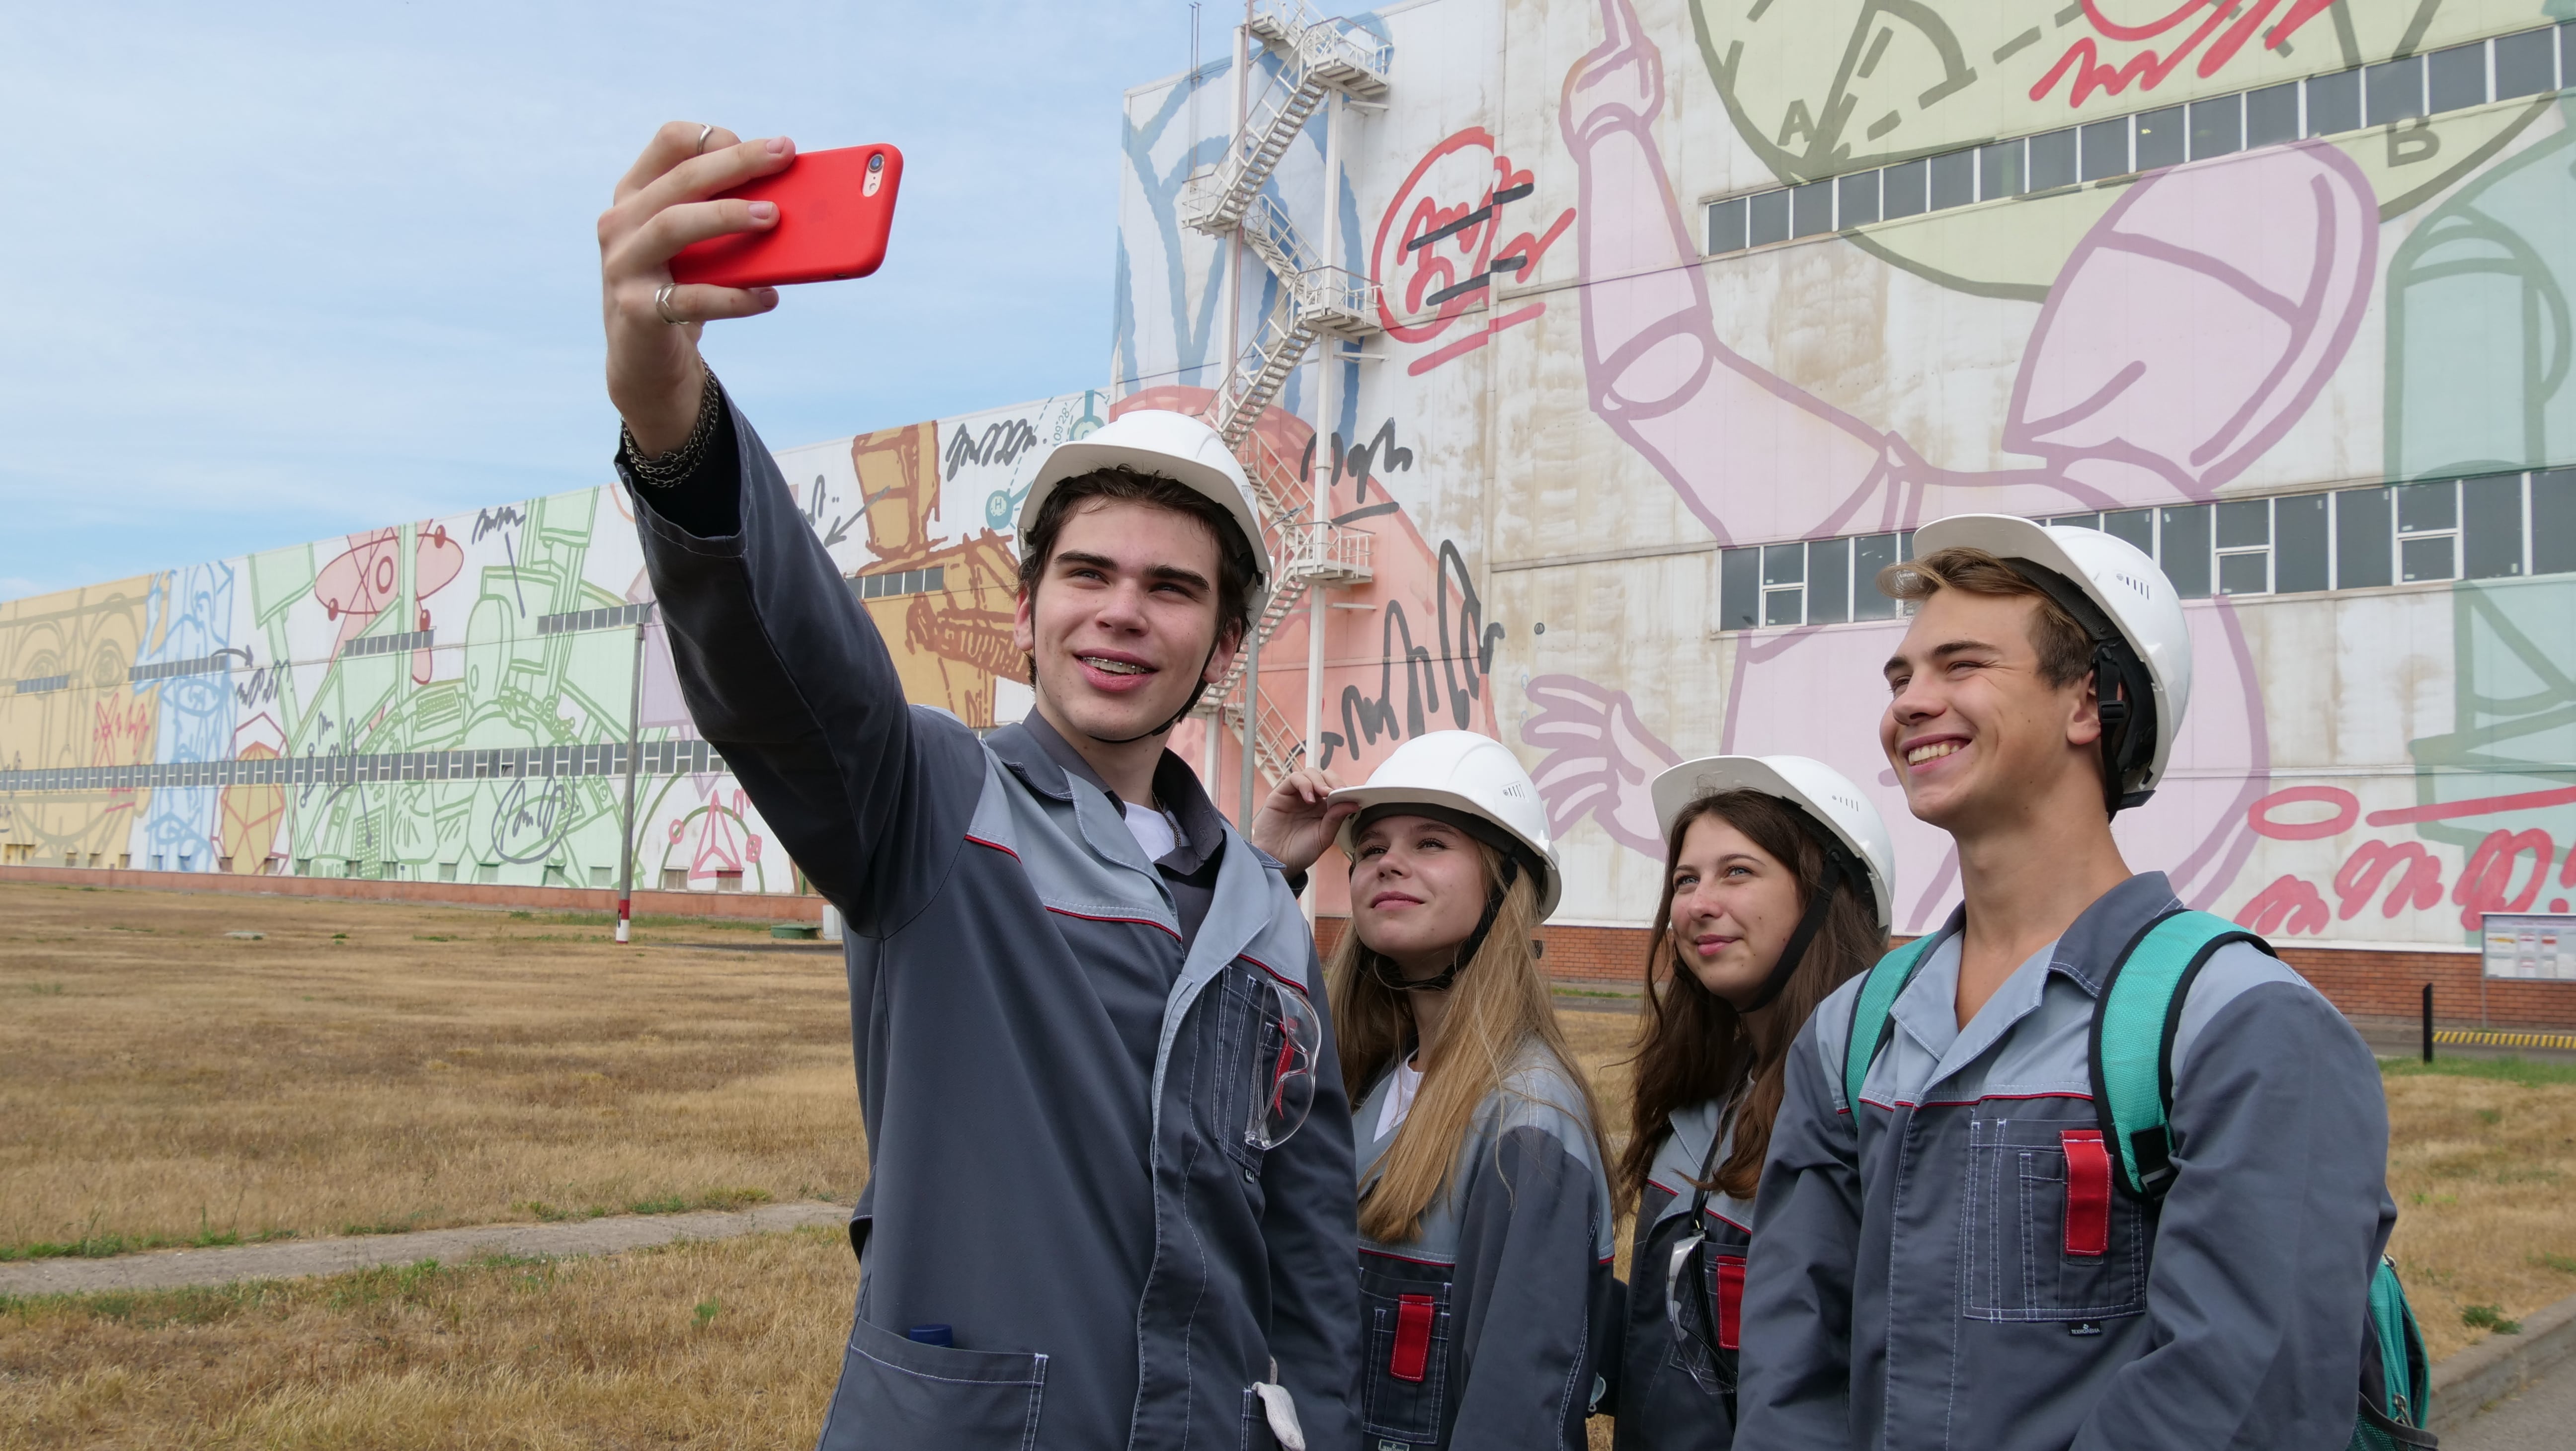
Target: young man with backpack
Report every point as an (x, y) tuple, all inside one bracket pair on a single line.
[(1111, 1198), (2080, 1169)]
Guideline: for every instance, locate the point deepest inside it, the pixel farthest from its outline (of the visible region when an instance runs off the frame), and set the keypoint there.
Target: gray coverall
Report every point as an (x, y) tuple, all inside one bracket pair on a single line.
[(1486, 1332), (1927, 1274), (1676, 1386), (1053, 1036)]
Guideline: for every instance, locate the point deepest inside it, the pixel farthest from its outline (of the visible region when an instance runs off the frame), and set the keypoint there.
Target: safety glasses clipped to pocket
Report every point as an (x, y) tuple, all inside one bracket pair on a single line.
[(1704, 1293), (1283, 1067)]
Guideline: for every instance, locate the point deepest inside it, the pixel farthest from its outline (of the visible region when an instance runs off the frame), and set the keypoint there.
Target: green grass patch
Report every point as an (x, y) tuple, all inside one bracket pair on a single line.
[(2528, 1072), (2489, 1317), (708, 1309), (46, 989), (706, 1199), (96, 1246), (384, 1226), (2563, 1264)]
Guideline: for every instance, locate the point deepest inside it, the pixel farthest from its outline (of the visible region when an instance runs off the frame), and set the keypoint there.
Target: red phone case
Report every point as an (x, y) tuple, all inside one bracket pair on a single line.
[(832, 223)]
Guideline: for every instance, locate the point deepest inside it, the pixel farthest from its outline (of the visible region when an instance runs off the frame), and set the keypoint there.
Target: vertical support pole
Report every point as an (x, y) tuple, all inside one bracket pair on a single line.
[(1318, 612), (2428, 1022), (1251, 723), (626, 818)]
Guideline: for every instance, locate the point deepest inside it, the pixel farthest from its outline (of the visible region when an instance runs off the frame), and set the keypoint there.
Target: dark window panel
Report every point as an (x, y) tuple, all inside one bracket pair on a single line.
[(2553, 522), (2078, 521), (2299, 544), (2334, 103), (2106, 148), (2362, 538), (2457, 77), (2052, 160), (2243, 523), (1767, 218), (1784, 564), (2273, 114), (1811, 208), (2422, 507), (2218, 126), (1784, 607), (2426, 559), (935, 577), (1829, 582), (2526, 64), (1999, 170), (1856, 199), (2137, 526), (2491, 527), (1870, 554), (1739, 589), (1905, 545), (2185, 549), (2567, 52), (1907, 190), (2245, 574), (2161, 139), (1954, 179), (2394, 91), (1726, 226)]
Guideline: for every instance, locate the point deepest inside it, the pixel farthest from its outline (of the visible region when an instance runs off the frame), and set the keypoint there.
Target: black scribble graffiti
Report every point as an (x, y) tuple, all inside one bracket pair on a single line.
[(1381, 454), (840, 530), (1450, 681), (259, 689), (1002, 443), (1472, 639), (488, 520), (525, 815), (814, 504)]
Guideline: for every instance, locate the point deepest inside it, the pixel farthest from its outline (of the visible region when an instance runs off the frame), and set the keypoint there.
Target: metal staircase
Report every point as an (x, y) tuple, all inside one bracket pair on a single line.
[(1315, 300)]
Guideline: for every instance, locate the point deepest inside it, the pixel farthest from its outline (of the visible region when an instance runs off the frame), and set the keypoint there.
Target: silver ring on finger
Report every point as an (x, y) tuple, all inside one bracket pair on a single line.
[(705, 130), (662, 305)]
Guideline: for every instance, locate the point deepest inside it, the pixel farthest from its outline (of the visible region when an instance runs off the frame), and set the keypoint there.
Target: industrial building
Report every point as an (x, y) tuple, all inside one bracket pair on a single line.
[(1592, 357)]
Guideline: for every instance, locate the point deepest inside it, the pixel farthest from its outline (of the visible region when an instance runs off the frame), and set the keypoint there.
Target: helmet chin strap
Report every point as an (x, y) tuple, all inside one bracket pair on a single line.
[(1839, 868), (1466, 952), (1185, 709)]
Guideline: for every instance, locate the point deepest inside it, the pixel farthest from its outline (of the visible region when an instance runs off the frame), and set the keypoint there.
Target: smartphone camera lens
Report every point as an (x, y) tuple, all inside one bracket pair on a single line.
[(876, 174), (877, 162)]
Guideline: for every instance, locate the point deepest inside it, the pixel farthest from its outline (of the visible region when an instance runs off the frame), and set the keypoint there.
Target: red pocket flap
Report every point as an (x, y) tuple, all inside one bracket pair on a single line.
[(2088, 1192), (1412, 1337), (1730, 1300)]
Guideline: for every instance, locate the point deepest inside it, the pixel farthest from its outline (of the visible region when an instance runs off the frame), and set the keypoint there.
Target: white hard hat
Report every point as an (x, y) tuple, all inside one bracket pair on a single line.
[(1470, 774), (1175, 446), (2126, 594), (1826, 795)]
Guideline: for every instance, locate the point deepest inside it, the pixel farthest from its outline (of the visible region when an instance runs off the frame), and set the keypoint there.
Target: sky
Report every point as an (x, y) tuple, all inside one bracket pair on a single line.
[(288, 271)]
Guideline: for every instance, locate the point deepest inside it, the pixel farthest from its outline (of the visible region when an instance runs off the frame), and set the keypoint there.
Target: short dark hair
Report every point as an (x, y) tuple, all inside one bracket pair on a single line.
[(2065, 649), (1237, 566)]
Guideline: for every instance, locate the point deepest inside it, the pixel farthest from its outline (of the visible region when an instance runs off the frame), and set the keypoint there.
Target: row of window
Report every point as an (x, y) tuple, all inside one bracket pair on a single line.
[(616, 617), (653, 758), (2498, 526), (2530, 63), (173, 669), (43, 683), (556, 874), (895, 582), (387, 644)]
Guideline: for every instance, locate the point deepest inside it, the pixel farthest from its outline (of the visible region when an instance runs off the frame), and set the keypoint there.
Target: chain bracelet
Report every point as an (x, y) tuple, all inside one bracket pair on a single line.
[(681, 462)]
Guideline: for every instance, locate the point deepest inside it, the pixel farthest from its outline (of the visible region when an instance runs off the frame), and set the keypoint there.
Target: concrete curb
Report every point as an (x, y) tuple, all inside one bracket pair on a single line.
[(2501, 1365), (171, 1269)]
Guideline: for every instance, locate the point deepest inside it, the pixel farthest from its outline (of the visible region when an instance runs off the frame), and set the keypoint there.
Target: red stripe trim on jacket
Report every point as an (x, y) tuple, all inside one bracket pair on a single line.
[(995, 845), (1139, 921)]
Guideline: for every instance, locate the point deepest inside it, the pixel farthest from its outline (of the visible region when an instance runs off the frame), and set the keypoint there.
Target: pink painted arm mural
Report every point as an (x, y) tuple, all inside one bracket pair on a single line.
[(1599, 760)]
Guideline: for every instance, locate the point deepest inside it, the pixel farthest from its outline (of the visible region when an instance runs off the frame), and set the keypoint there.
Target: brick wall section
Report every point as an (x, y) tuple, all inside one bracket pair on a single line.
[(757, 906), (2387, 985)]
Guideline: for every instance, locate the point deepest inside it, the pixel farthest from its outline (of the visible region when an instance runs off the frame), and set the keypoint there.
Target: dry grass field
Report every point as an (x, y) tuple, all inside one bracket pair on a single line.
[(442, 1066), (366, 1066)]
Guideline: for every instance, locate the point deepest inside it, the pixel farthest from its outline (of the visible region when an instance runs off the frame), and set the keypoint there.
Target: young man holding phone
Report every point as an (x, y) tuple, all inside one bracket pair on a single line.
[(1111, 1199), (1951, 1255)]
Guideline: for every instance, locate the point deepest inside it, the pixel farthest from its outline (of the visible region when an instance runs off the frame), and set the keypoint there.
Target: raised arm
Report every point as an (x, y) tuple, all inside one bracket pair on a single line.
[(781, 668)]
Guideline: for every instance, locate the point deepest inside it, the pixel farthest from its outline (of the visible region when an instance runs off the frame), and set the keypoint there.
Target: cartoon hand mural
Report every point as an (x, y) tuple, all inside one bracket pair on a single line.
[(1600, 759)]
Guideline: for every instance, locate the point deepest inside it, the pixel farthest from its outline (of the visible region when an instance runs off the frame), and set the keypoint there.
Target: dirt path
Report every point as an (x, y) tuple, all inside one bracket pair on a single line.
[(174, 1268)]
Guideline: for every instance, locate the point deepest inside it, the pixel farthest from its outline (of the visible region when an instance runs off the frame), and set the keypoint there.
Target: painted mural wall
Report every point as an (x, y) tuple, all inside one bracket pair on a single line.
[(1562, 456), (446, 699)]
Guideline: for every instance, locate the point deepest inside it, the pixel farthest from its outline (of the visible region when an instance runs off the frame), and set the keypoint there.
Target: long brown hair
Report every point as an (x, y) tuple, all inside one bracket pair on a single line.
[(1498, 1003), (1692, 1045)]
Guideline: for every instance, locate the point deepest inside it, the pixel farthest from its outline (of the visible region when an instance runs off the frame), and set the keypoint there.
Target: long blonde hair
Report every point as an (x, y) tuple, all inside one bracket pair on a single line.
[(1498, 1003)]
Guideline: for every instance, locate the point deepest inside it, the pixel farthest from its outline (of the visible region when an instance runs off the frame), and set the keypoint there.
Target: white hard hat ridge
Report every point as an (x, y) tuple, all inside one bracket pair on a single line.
[(1471, 773), (2121, 581), (1176, 446), (1823, 793)]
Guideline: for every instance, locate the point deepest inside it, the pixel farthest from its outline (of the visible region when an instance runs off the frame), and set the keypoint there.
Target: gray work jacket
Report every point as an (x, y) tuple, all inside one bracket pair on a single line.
[(1676, 1383), (1916, 1280), (1485, 1331), (1120, 1264)]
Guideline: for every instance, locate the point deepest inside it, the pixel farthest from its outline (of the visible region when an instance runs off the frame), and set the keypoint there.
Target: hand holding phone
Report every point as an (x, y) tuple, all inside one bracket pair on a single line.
[(835, 212)]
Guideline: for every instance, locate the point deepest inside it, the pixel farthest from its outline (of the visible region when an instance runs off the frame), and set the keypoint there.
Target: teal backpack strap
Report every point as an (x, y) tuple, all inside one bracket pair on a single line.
[(2133, 1034), (1871, 1006)]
